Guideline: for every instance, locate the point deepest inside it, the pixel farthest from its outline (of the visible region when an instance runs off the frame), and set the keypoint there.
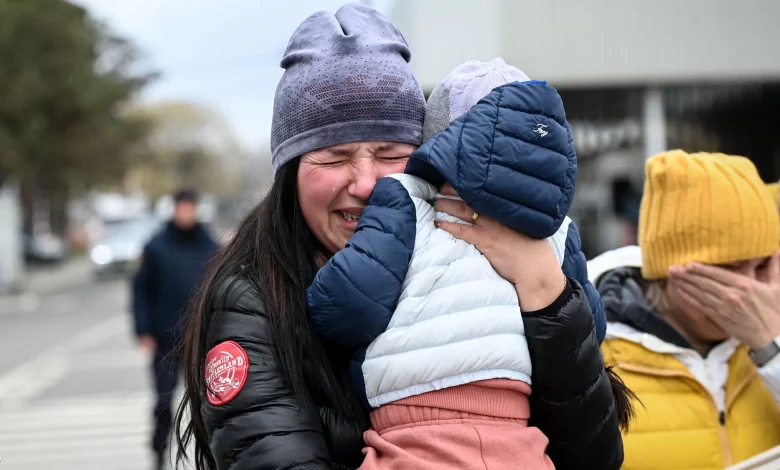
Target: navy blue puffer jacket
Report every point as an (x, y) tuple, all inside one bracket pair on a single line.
[(267, 426), (511, 157)]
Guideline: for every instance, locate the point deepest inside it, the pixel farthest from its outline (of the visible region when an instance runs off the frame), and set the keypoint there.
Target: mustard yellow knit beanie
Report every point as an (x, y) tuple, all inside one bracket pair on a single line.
[(711, 208)]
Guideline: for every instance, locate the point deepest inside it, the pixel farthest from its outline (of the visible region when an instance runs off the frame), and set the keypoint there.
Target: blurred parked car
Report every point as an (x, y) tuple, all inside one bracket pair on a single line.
[(120, 247), (44, 248)]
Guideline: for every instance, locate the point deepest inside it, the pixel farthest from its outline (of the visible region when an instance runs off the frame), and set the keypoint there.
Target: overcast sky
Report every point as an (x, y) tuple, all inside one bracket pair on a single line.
[(221, 53)]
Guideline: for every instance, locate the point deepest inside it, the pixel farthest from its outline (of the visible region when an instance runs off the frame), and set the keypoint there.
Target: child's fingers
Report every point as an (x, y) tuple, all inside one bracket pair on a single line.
[(448, 190), (461, 231), (454, 208)]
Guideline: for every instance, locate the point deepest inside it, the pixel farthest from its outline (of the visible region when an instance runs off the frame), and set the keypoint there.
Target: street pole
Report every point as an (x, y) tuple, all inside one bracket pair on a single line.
[(11, 245), (654, 122)]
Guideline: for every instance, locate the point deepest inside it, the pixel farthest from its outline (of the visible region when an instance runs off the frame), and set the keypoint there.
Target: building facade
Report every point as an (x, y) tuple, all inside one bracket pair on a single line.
[(636, 77)]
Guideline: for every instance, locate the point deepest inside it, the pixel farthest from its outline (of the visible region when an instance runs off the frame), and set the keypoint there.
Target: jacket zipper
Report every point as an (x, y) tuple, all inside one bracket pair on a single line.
[(724, 439), (722, 431), (720, 414)]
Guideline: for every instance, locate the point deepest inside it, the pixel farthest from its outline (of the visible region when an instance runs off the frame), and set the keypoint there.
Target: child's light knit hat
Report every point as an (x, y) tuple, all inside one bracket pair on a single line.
[(463, 88)]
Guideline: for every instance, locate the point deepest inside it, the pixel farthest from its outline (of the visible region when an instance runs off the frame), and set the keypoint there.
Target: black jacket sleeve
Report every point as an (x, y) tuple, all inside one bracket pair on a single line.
[(571, 401), (143, 286), (264, 427)]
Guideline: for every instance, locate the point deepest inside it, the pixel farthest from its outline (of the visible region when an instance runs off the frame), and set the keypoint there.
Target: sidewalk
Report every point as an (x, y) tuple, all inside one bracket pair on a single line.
[(47, 280)]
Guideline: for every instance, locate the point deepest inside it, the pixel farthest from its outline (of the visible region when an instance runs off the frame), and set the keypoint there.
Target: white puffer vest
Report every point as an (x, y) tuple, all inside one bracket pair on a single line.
[(457, 320)]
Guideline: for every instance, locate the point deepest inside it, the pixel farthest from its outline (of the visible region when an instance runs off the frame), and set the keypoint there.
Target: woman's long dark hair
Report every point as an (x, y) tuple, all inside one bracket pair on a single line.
[(275, 251)]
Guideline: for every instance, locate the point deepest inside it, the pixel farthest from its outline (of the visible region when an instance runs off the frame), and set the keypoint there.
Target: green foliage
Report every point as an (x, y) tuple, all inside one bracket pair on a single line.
[(189, 145), (65, 82)]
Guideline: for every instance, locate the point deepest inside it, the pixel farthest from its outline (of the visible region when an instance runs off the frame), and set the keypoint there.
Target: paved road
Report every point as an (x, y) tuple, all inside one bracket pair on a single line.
[(74, 389)]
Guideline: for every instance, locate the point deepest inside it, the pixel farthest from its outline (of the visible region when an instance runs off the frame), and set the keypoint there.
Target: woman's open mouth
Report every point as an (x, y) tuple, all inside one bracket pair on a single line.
[(349, 217)]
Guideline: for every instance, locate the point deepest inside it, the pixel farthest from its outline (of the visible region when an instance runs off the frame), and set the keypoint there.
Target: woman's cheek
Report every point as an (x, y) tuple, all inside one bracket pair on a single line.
[(316, 182), (395, 166), (314, 194)]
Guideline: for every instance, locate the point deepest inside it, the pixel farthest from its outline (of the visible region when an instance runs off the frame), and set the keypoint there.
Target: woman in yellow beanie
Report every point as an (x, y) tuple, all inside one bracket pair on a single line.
[(694, 314)]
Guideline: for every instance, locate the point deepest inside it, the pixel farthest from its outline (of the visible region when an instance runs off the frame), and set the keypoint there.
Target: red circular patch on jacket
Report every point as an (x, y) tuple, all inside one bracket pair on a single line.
[(226, 370)]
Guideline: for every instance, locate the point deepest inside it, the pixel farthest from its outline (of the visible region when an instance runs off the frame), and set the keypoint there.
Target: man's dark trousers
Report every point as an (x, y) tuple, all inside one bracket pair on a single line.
[(165, 367)]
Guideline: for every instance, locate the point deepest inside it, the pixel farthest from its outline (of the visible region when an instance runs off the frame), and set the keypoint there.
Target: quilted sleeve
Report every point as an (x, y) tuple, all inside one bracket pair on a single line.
[(265, 426), (572, 402), (576, 266), (510, 157), (354, 295), (144, 290)]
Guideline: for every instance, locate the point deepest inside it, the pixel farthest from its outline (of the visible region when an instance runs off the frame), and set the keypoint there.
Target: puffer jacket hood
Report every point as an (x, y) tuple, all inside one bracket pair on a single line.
[(511, 157), (624, 302), (622, 290), (354, 298)]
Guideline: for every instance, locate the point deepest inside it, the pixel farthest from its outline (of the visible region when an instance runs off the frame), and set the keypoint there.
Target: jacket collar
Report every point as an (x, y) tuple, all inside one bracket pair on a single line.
[(618, 278), (625, 257), (185, 235), (624, 303), (625, 353)]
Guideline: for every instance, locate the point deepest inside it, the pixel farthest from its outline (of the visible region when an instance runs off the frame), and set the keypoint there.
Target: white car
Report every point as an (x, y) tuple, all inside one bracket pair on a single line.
[(121, 246)]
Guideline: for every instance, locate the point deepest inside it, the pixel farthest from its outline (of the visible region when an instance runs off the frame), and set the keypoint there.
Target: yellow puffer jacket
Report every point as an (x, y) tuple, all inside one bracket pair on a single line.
[(678, 425)]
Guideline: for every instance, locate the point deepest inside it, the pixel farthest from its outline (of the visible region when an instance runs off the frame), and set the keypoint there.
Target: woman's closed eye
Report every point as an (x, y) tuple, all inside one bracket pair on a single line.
[(396, 158), (345, 160), (330, 160), (331, 163)]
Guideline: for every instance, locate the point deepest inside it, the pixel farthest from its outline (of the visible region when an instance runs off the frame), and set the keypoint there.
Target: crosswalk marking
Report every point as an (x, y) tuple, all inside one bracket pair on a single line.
[(102, 432), (89, 431), (71, 433), (33, 376)]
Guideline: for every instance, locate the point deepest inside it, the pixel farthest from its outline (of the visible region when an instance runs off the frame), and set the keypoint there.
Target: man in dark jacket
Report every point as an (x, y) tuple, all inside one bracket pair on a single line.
[(171, 266)]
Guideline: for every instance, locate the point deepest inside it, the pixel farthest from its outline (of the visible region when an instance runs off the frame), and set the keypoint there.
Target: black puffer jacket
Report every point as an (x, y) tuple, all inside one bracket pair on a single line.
[(572, 400), (266, 427)]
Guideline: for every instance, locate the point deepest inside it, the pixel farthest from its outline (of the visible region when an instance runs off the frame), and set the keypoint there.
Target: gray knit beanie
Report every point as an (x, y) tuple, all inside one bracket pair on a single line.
[(346, 79), (462, 88)]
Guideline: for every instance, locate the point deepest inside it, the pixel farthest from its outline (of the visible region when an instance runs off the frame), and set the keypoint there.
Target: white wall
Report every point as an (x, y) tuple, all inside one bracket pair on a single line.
[(597, 42), (441, 34)]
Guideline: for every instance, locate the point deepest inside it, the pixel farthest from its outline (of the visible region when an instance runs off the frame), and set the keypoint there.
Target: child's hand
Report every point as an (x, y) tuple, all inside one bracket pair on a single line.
[(530, 264)]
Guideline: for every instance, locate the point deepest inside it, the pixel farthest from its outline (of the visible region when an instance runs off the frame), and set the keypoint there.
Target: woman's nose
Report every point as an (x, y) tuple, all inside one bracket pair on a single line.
[(364, 180)]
